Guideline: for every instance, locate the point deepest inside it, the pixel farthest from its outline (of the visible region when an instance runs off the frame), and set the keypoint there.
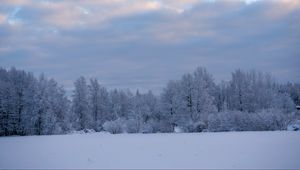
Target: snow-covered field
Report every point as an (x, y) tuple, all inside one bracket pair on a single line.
[(280, 149)]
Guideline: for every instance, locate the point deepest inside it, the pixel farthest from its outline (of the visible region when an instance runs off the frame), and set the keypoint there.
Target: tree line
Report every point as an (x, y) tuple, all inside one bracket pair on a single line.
[(251, 100)]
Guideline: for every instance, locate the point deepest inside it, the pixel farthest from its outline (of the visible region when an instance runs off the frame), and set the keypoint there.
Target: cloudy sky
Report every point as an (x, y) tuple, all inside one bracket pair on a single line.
[(144, 43)]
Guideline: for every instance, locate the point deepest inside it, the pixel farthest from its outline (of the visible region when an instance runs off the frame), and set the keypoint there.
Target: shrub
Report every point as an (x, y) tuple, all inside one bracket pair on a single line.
[(114, 127), (132, 126), (264, 120)]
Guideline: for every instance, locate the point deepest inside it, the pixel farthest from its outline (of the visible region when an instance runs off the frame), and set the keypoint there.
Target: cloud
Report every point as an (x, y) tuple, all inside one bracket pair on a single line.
[(143, 44), (16, 2), (72, 14), (2, 18), (282, 8)]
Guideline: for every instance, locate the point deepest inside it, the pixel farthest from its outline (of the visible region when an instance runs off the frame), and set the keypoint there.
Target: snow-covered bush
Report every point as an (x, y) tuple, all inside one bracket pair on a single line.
[(225, 121), (89, 130), (198, 126), (132, 126), (264, 120), (294, 126), (268, 120), (135, 126), (274, 119), (114, 127), (178, 129), (162, 126), (84, 131), (147, 128)]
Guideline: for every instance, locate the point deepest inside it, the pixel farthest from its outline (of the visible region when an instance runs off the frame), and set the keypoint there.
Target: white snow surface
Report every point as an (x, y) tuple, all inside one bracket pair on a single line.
[(272, 150)]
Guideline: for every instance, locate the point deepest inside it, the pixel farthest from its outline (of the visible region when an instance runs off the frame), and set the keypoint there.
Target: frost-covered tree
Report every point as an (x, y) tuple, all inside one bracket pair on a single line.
[(189, 101), (6, 103), (221, 99), (99, 104), (142, 113), (251, 100), (203, 95), (13, 84), (29, 114), (31, 106), (120, 103), (59, 105), (253, 91), (186, 95), (293, 90), (51, 114), (80, 105), (45, 116), (95, 102), (169, 105)]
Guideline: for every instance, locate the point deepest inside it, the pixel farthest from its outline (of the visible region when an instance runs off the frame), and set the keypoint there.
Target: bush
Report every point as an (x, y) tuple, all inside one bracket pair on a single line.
[(294, 126), (265, 120), (273, 120), (135, 126), (194, 126), (147, 128), (132, 126), (162, 126), (114, 127)]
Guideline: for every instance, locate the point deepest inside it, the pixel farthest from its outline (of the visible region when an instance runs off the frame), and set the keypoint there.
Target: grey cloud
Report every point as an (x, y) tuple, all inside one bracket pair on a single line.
[(145, 50)]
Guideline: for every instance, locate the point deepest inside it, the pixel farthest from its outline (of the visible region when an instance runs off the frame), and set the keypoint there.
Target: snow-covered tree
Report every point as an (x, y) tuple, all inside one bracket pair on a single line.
[(95, 102), (142, 113), (99, 104), (120, 103), (80, 105), (293, 90), (203, 95), (253, 91), (169, 105), (221, 99), (51, 108), (251, 100), (189, 101), (29, 106)]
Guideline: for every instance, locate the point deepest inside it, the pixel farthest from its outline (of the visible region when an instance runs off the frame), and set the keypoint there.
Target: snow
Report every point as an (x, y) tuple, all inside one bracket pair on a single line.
[(272, 150)]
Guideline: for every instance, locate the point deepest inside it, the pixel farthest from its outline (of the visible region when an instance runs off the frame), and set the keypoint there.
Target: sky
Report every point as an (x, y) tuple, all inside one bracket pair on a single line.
[(142, 44)]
